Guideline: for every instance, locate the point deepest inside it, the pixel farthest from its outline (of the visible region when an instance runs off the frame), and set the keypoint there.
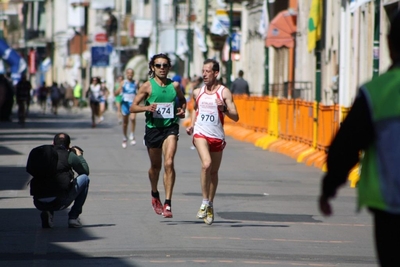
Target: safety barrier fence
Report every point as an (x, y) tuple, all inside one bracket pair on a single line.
[(300, 129)]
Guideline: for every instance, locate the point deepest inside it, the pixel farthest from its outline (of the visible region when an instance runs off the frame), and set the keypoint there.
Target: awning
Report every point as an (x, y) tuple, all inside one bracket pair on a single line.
[(281, 29)]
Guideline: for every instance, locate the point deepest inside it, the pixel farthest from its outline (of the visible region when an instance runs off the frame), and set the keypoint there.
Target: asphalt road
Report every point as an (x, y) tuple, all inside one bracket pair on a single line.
[(265, 209)]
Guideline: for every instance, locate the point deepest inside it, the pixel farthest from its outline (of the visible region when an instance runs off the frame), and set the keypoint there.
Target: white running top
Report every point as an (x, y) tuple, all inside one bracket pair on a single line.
[(209, 119)]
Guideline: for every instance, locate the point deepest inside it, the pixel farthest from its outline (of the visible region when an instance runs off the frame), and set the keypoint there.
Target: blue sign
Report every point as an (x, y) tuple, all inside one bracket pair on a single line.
[(100, 56), (235, 42)]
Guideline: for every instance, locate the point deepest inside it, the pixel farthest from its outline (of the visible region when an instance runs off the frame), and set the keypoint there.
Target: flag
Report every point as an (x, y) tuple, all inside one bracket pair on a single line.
[(264, 20), (182, 48), (218, 28), (200, 39), (314, 24), (17, 63)]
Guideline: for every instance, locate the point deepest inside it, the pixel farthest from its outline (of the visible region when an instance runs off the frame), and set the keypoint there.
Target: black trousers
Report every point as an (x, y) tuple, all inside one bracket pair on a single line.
[(387, 238)]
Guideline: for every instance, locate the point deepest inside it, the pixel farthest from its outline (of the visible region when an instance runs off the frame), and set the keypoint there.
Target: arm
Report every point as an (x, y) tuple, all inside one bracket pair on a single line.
[(195, 93), (355, 134), (78, 163), (119, 90), (229, 107), (143, 93), (182, 101)]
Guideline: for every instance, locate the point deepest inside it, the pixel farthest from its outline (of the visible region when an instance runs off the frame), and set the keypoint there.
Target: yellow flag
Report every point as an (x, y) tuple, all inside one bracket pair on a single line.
[(314, 24)]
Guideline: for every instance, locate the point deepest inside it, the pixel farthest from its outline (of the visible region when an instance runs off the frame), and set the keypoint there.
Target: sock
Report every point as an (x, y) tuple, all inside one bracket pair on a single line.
[(168, 202), (205, 202), (156, 194), (210, 203)]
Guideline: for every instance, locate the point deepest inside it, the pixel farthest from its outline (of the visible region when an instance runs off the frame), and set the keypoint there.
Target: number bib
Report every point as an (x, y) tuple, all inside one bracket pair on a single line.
[(164, 111), (128, 97), (209, 117)]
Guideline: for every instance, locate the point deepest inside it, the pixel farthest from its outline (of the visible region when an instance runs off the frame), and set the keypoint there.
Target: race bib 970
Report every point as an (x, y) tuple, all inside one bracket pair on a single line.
[(164, 111), (210, 117)]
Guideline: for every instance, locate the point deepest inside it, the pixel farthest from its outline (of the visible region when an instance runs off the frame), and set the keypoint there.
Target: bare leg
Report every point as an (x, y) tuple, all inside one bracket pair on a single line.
[(205, 158), (125, 121), (169, 150), (155, 167), (132, 118), (216, 158)]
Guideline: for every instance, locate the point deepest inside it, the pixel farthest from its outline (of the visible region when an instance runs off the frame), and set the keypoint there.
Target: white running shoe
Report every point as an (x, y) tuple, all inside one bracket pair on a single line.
[(202, 213), (124, 145), (133, 142), (131, 136)]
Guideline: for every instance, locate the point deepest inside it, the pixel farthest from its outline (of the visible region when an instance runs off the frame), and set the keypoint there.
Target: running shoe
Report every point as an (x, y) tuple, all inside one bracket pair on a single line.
[(131, 136), (202, 213), (124, 144), (209, 219), (133, 142), (167, 212), (157, 206)]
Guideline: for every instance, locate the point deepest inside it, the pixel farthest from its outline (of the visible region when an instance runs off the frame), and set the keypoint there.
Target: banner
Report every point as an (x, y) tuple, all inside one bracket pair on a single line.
[(264, 20), (314, 24), (17, 63), (200, 39), (218, 28)]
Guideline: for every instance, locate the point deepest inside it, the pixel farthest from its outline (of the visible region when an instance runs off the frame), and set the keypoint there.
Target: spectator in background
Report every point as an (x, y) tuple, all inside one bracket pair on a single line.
[(23, 96), (43, 93), (111, 25), (240, 85), (103, 99), (69, 96), (55, 96), (77, 93)]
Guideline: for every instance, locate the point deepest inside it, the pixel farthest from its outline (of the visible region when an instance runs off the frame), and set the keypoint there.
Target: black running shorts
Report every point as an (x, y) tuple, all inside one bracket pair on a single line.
[(154, 137)]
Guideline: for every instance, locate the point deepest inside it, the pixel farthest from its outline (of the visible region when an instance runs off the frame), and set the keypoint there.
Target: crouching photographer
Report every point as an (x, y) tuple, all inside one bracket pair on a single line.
[(58, 191)]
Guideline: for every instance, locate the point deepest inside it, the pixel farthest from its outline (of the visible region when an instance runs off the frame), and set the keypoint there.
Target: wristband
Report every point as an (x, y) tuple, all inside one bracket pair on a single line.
[(225, 109)]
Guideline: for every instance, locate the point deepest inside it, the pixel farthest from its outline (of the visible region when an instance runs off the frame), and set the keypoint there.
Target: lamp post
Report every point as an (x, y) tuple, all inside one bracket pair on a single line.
[(189, 39), (229, 63), (205, 53)]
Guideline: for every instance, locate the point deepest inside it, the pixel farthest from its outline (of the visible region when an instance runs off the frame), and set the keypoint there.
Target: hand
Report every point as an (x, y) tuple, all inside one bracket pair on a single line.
[(220, 104), (152, 107), (180, 113), (189, 130), (324, 206)]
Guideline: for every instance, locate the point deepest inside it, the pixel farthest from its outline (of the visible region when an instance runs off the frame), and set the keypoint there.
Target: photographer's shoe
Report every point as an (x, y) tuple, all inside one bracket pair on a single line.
[(74, 223), (47, 219)]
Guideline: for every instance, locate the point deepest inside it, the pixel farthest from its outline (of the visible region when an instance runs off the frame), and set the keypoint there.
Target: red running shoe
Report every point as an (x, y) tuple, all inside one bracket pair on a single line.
[(157, 206), (167, 212)]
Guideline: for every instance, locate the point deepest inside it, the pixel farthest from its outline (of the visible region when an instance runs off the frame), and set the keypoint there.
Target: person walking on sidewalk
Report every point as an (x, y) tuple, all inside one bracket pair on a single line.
[(59, 193), (240, 86), (127, 89), (211, 103), (372, 126), (162, 127)]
